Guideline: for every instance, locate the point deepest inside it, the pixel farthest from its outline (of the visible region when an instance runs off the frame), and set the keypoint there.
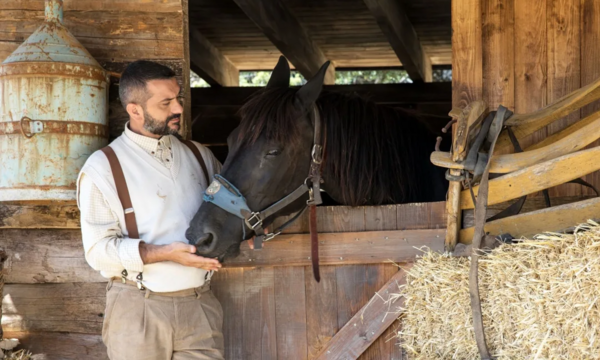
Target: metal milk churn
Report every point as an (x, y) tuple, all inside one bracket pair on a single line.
[(53, 113)]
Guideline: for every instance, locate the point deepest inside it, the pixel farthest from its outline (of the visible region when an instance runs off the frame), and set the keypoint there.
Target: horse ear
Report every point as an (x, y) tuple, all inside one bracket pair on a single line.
[(309, 93), (280, 77)]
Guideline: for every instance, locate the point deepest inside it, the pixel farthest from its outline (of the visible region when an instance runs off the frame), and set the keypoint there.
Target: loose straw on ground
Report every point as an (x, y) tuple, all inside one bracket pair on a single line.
[(539, 301)]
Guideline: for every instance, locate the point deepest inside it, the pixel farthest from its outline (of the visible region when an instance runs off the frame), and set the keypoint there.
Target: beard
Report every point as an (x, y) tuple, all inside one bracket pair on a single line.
[(158, 127)]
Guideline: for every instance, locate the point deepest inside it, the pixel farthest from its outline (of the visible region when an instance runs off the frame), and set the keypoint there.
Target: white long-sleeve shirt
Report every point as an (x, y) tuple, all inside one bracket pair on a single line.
[(106, 249)]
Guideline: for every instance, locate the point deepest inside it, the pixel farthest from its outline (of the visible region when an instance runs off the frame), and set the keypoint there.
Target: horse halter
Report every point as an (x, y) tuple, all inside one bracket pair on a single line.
[(225, 195)]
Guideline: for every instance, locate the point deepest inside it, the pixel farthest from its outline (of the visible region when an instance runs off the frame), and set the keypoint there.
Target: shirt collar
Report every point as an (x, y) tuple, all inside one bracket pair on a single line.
[(148, 144)]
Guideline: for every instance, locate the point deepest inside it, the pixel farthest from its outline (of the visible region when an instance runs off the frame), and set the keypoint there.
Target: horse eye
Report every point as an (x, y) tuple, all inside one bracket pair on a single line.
[(273, 153)]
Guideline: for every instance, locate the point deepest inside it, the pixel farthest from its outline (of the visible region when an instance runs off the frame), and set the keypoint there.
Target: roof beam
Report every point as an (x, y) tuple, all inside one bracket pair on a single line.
[(396, 26), (208, 62), (282, 28)]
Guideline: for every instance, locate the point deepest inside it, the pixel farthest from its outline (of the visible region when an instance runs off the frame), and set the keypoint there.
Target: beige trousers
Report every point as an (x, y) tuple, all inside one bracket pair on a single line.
[(181, 325)]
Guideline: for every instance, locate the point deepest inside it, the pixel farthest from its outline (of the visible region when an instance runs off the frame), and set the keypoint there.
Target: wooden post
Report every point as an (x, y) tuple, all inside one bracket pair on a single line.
[(2, 259)]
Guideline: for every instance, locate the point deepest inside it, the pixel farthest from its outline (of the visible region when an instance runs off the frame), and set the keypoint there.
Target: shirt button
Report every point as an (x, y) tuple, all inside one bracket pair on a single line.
[(153, 152), (168, 160)]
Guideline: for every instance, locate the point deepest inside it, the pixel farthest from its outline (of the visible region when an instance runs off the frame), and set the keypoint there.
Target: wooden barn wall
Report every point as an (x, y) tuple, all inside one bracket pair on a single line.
[(115, 32), (54, 302), (525, 54)]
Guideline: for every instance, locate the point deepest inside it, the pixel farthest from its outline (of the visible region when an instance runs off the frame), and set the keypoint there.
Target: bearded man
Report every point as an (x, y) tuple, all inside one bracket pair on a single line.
[(137, 198)]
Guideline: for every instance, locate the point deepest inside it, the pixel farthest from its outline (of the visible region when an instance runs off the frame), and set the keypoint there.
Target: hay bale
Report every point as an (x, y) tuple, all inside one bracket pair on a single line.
[(539, 300)]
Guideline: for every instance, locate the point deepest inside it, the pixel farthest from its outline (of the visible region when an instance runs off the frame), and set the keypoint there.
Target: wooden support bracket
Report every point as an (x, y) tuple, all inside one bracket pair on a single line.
[(368, 323)]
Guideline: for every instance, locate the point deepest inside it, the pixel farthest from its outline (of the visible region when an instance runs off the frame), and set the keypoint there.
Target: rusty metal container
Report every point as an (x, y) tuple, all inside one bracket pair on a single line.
[(53, 113)]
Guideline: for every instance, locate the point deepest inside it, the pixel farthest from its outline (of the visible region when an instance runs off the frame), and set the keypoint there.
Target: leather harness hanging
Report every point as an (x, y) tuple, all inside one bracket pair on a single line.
[(123, 193)]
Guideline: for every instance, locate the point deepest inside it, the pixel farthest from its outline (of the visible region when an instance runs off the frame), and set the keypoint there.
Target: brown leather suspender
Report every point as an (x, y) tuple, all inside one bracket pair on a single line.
[(196, 152), (123, 192)]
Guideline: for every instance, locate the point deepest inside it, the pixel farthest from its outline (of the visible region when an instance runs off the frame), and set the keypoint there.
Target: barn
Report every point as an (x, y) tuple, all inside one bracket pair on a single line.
[(523, 55)]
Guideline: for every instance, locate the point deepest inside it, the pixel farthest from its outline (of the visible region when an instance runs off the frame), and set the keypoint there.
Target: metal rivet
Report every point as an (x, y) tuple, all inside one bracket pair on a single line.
[(386, 238), (341, 258), (309, 258)]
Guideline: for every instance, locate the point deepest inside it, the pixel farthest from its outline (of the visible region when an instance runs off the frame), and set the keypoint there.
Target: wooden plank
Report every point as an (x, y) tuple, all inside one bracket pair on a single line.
[(564, 65), (590, 67), (282, 28), (69, 307), (467, 70), (552, 219), (400, 33), (87, 5), (63, 346), (391, 94), (56, 216), (532, 203), (498, 53), (370, 247), (290, 313), (208, 62), (537, 177), (228, 287), (530, 61), (368, 323), (321, 308), (106, 24), (259, 328), (46, 256)]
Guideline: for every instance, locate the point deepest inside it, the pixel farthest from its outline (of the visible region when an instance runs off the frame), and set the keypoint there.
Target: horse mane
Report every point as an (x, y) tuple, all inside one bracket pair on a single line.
[(373, 153)]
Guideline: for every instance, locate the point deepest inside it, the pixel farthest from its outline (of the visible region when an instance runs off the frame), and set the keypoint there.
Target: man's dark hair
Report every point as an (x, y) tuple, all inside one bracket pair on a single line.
[(132, 85)]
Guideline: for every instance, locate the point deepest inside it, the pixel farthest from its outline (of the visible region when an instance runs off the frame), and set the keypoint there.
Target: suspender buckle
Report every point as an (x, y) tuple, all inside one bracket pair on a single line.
[(124, 276), (139, 279)]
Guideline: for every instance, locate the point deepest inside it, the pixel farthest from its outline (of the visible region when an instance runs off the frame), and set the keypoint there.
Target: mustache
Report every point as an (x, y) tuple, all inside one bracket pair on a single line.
[(173, 117)]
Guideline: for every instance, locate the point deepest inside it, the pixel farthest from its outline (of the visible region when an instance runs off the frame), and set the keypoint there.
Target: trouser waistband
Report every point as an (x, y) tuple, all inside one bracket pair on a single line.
[(131, 285)]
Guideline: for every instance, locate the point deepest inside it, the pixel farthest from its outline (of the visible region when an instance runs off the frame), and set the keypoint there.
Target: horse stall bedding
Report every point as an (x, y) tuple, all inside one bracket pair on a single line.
[(539, 300)]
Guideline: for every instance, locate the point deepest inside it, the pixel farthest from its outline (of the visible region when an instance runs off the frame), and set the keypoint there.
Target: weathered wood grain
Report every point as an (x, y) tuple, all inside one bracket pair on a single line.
[(69, 307), (369, 323), (290, 313), (259, 329), (321, 308), (228, 287), (87, 5), (538, 177), (63, 346), (56, 216), (531, 63), (46, 256), (552, 219), (208, 62), (498, 53)]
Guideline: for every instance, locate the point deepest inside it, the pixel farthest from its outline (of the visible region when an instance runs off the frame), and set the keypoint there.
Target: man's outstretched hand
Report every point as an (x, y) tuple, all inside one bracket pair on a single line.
[(179, 252)]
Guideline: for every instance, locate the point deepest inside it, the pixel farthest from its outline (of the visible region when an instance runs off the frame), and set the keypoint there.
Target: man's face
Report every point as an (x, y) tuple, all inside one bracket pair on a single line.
[(162, 112)]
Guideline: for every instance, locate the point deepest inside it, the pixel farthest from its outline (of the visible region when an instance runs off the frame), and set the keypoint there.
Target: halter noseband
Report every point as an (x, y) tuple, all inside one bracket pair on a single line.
[(226, 196)]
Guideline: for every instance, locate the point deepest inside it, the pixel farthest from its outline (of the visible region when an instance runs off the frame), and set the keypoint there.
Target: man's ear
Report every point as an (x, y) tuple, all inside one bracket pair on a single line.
[(135, 111)]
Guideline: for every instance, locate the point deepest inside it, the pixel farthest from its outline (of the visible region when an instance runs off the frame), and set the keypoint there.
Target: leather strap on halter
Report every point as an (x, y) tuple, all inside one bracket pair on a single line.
[(314, 242), (123, 192), (199, 157), (315, 193)]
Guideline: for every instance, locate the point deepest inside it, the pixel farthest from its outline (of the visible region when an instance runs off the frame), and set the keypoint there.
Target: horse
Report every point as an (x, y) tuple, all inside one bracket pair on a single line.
[(373, 155)]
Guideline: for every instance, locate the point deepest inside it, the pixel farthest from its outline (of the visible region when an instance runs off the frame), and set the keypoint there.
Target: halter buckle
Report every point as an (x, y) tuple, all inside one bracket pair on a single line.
[(253, 217), (311, 197)]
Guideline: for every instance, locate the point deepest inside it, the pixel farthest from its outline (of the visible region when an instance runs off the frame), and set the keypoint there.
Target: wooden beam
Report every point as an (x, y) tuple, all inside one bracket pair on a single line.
[(278, 23), (208, 62), (391, 94), (69, 307), (344, 248), (537, 177), (401, 34), (368, 323), (556, 218), (50, 216), (57, 345), (186, 124)]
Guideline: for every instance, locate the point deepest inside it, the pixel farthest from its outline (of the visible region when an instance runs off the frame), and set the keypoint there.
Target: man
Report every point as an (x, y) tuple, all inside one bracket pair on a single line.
[(159, 304)]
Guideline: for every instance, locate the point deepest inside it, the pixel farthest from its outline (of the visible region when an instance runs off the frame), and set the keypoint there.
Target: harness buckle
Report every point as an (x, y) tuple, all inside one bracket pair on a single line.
[(311, 197), (254, 216)]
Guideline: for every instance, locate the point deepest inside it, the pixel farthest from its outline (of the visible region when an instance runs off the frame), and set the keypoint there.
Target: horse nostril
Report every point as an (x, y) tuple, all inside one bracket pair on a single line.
[(206, 243)]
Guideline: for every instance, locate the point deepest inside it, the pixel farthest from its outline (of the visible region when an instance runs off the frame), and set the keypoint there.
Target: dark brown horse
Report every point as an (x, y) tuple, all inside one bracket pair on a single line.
[(373, 155)]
